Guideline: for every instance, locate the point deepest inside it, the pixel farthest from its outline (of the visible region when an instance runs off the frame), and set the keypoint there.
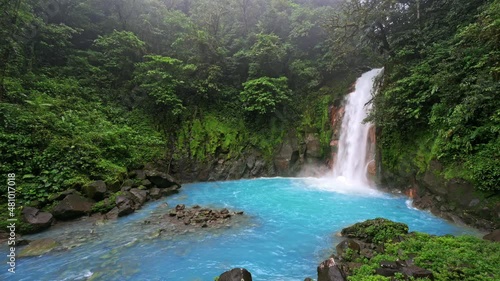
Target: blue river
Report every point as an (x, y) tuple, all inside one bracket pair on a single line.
[(292, 226)]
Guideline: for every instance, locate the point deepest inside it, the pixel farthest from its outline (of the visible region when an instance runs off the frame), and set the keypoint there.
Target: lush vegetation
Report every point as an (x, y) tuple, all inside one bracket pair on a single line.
[(448, 257), (439, 98), (381, 241), (91, 88)]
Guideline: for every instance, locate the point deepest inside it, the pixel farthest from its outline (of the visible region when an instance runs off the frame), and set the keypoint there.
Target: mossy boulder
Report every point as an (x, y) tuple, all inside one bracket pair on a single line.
[(378, 230), (96, 190)]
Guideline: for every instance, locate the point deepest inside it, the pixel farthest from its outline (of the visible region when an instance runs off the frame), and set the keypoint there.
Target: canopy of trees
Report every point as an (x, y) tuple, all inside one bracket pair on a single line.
[(89, 88)]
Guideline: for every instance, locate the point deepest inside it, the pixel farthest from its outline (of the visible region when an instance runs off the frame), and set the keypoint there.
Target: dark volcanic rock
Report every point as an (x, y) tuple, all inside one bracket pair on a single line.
[(95, 190), (170, 191), (138, 196), (38, 220), (155, 193), (60, 196), (199, 217), (493, 236), (139, 174), (329, 271), (376, 230), (236, 274), (417, 272), (160, 179), (71, 207), (348, 244), (124, 206), (387, 272)]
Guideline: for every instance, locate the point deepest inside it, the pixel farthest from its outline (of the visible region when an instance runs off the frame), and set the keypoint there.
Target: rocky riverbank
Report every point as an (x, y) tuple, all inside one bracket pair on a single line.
[(454, 199), (98, 199), (380, 249)]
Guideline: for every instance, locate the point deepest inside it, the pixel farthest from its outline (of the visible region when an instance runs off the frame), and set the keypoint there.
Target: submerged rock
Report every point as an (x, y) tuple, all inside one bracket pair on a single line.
[(38, 247), (236, 274)]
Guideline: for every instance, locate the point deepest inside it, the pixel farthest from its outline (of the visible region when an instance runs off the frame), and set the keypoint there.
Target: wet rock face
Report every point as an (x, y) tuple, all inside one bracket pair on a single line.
[(199, 217), (236, 274)]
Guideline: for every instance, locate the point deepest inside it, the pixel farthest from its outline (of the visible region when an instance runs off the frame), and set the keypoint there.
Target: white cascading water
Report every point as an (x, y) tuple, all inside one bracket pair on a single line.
[(350, 165)]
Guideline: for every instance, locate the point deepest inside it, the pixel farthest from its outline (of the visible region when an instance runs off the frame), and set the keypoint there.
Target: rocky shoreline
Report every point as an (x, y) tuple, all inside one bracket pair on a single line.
[(378, 249), (454, 199), (108, 201)]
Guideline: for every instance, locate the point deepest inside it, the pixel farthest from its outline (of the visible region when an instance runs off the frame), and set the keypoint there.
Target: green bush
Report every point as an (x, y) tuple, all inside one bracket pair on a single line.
[(448, 257)]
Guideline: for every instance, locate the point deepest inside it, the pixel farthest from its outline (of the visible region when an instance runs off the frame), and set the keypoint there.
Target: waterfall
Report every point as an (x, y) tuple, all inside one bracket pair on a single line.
[(354, 150)]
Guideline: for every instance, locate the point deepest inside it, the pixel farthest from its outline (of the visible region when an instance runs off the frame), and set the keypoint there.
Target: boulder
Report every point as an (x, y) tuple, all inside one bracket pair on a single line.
[(348, 244), (155, 193), (60, 196), (417, 272), (38, 220), (493, 236), (147, 183), (95, 190), (128, 182), (329, 271), (236, 274), (123, 205), (38, 247), (72, 207), (114, 185), (376, 230), (171, 190), (387, 272), (139, 196), (160, 179), (139, 174)]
